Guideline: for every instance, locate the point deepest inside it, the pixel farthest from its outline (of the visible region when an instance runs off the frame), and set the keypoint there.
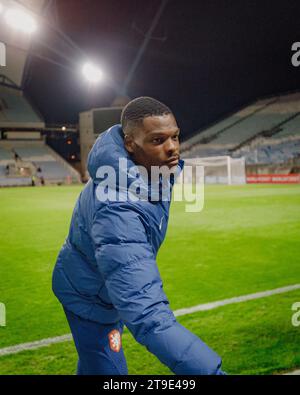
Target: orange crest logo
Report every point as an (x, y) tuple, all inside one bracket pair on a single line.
[(115, 340)]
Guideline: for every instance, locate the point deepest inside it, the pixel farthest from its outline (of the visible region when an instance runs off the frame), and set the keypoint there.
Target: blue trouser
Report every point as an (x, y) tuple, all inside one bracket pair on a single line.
[(99, 346)]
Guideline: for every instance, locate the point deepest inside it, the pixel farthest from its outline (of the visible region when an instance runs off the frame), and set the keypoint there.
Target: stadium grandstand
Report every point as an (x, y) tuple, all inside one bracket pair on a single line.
[(265, 133), (26, 158)]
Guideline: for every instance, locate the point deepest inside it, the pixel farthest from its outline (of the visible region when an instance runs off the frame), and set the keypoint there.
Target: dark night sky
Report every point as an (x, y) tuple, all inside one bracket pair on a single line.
[(216, 57)]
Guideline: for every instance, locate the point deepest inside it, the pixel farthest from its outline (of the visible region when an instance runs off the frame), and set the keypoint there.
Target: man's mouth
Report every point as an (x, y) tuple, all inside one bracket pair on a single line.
[(173, 161)]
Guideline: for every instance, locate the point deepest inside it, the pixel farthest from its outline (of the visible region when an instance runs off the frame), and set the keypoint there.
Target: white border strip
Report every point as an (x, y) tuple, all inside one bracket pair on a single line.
[(201, 307)]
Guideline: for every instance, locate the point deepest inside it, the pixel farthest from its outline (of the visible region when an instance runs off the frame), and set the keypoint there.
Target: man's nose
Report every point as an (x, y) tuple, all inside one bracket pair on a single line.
[(171, 146)]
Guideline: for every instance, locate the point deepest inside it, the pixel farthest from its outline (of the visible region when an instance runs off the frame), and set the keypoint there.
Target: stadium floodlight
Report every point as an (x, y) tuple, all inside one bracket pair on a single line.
[(92, 73), (20, 20)]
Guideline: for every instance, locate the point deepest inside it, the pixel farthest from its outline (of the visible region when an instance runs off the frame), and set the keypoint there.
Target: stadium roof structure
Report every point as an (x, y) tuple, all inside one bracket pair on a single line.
[(15, 109), (16, 42)]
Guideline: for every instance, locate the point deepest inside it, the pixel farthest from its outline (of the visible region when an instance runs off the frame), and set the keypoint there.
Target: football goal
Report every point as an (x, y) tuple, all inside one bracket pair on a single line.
[(218, 169)]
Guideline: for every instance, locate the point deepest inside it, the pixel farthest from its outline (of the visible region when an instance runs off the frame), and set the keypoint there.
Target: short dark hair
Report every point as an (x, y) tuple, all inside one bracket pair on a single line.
[(138, 109)]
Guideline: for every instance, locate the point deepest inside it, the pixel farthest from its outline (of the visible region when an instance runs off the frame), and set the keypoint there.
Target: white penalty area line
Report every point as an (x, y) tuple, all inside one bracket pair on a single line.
[(201, 307)]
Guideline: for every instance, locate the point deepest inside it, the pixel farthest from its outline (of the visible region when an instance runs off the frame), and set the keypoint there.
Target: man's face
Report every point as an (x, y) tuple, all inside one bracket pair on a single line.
[(156, 143)]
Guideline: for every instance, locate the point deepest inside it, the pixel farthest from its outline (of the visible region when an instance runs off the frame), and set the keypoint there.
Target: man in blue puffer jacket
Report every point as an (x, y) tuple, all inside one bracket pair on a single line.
[(106, 273)]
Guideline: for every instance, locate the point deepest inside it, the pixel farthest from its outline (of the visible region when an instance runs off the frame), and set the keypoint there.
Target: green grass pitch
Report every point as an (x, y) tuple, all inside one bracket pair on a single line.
[(245, 240)]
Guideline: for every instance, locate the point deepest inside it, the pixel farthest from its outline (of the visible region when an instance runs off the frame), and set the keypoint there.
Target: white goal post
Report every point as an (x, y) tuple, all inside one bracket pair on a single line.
[(220, 169)]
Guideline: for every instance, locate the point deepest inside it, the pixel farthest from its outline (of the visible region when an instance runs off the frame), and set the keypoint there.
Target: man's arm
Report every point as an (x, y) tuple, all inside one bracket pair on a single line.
[(126, 261)]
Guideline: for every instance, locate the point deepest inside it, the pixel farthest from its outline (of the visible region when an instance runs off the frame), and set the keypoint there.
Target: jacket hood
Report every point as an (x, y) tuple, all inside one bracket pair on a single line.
[(107, 150)]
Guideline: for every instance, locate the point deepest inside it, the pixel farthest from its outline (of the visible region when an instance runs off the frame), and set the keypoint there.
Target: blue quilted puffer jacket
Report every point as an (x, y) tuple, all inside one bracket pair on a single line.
[(106, 270)]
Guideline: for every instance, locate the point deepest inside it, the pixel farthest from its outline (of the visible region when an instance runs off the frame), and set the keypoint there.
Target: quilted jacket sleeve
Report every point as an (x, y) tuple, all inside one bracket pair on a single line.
[(126, 261)]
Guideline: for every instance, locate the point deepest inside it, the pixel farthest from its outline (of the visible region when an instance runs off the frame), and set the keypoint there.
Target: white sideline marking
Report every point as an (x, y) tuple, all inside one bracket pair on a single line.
[(34, 345), (201, 307), (237, 299), (293, 373)]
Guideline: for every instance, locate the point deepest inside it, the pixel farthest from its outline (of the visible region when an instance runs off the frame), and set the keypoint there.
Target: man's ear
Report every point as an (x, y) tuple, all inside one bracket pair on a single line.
[(129, 143)]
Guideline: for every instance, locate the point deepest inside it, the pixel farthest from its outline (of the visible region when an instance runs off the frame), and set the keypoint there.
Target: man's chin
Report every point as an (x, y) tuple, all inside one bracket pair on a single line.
[(172, 165)]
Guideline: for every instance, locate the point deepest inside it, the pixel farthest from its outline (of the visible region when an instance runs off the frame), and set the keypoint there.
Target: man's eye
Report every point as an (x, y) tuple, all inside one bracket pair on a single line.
[(157, 141), (176, 137)]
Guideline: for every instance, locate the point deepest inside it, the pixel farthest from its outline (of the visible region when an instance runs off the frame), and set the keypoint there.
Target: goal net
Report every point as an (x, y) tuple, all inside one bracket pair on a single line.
[(219, 170)]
